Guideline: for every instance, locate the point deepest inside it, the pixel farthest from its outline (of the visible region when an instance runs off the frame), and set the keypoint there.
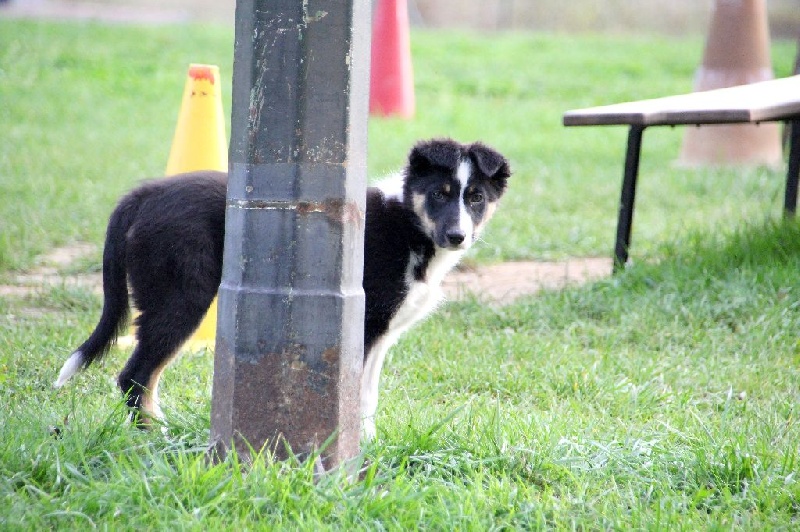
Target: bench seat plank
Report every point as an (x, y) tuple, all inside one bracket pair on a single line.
[(764, 101)]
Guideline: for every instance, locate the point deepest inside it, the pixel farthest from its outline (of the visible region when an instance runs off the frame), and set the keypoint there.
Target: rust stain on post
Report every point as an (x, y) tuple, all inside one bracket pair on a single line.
[(295, 385), (336, 210)]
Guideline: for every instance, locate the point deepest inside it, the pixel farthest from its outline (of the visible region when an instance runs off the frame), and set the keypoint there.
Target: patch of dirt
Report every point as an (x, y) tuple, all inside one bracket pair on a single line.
[(494, 283), (507, 281), (48, 273)]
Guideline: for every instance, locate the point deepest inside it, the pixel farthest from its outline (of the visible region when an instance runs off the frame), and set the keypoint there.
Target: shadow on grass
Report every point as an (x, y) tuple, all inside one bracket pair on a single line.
[(757, 247)]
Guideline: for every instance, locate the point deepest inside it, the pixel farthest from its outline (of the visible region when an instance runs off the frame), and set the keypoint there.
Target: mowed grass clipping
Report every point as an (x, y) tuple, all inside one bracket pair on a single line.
[(665, 397)]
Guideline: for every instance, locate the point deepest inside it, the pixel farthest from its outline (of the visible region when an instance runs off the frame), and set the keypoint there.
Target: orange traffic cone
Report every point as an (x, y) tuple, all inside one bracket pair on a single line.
[(736, 53), (199, 144), (391, 76)]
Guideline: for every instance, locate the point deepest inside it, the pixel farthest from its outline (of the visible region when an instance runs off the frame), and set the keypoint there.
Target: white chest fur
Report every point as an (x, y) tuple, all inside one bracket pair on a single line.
[(421, 299), (423, 295)]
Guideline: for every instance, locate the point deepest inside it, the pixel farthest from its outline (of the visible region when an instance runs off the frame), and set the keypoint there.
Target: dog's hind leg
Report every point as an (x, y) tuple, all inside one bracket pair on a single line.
[(161, 330)]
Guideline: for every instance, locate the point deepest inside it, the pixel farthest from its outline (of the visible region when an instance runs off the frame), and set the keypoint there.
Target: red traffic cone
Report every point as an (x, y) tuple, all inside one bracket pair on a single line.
[(736, 53), (391, 76)]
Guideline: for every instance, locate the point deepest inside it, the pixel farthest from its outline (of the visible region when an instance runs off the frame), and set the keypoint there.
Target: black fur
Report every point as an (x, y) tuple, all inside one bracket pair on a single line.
[(166, 237), (392, 233)]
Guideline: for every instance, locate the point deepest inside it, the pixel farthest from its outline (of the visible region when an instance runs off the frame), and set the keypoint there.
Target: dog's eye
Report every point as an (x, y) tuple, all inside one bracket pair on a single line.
[(438, 195), (476, 197)]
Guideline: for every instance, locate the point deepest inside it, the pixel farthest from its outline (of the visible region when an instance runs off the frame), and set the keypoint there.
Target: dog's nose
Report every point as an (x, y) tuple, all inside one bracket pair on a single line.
[(455, 238)]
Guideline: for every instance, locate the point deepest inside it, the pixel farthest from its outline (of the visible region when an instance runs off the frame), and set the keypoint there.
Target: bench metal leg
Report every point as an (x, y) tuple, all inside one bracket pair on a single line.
[(793, 170), (628, 196)]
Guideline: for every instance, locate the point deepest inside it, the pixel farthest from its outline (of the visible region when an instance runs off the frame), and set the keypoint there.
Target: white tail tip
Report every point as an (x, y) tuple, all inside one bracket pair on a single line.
[(71, 367)]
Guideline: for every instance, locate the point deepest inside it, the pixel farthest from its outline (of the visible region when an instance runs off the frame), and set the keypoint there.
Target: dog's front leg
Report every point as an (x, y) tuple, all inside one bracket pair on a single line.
[(369, 386)]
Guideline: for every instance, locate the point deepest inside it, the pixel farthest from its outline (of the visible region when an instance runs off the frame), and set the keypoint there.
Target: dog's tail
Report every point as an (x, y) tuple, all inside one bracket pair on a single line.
[(115, 293)]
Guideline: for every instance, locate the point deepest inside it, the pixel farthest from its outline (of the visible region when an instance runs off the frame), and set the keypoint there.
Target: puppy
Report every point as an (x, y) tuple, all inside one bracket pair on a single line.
[(165, 240)]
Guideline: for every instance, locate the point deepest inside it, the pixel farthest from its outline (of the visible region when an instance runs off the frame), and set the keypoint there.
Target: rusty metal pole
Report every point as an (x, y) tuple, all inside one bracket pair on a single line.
[(290, 326)]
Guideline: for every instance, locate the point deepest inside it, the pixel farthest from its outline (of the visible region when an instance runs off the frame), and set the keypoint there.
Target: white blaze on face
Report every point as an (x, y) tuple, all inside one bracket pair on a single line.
[(463, 174)]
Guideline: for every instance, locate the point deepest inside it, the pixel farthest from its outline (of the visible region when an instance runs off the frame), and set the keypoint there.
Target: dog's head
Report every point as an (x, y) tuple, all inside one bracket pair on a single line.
[(453, 188)]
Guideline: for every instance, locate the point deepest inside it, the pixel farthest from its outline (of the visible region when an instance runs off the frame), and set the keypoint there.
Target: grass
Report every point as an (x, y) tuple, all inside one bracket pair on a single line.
[(665, 397), (92, 110)]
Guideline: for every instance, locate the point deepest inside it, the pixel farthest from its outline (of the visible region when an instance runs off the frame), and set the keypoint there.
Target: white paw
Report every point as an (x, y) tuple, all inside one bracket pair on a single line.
[(368, 429)]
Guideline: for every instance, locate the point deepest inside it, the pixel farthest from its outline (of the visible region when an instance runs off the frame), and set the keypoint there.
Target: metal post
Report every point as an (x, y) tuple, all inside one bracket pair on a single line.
[(290, 325), (628, 197), (793, 169)]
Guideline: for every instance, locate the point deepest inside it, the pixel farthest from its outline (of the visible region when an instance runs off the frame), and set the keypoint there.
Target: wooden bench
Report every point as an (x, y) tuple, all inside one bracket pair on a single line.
[(766, 101)]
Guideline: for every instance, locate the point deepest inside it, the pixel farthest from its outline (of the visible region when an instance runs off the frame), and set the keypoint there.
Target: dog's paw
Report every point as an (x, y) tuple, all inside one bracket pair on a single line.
[(368, 429)]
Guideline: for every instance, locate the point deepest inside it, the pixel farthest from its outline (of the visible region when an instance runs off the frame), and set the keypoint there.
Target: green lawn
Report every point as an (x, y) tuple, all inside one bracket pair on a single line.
[(666, 397)]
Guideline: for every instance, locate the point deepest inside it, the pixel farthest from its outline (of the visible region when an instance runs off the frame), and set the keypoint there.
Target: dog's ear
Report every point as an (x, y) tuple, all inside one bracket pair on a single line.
[(430, 154), (491, 164)]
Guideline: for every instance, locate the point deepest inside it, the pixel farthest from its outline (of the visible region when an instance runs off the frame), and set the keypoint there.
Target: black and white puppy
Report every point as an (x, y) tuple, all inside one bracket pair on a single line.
[(165, 240)]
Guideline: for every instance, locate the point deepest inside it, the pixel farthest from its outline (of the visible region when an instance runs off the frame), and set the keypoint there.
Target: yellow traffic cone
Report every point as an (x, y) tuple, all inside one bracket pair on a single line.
[(199, 144)]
